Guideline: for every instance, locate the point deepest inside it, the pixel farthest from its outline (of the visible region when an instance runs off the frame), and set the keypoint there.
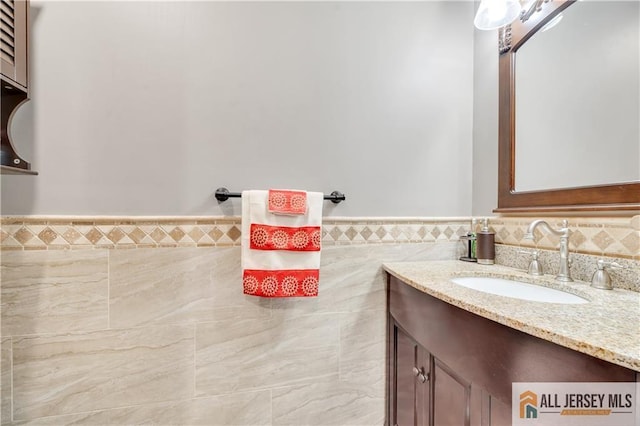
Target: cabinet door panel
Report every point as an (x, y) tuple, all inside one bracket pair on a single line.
[(451, 397), (500, 413), (404, 389)]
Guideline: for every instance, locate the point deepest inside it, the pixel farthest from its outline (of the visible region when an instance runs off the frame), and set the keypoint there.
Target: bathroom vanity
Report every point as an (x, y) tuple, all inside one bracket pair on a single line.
[(454, 352)]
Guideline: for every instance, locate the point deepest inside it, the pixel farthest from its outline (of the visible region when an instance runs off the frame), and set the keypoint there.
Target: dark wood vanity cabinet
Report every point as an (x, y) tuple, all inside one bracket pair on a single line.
[(449, 367), (14, 72), (425, 391)]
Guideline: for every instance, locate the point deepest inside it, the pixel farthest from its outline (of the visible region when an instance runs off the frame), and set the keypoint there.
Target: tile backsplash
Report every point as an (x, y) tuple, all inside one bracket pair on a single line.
[(591, 239), (608, 236)]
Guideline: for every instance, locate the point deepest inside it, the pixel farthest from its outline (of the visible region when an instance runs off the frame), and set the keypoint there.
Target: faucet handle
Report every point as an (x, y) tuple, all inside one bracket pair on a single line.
[(601, 278), (602, 264), (531, 252), (535, 268)]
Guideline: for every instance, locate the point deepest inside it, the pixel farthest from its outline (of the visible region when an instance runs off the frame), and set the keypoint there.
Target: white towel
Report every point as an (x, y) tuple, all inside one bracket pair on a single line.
[(274, 272)]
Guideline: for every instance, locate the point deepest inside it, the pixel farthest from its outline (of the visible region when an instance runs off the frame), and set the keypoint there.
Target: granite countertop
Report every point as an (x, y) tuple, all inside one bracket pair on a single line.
[(608, 327)]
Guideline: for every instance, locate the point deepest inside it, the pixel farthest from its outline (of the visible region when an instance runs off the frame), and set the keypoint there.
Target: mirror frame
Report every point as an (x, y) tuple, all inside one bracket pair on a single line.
[(618, 196)]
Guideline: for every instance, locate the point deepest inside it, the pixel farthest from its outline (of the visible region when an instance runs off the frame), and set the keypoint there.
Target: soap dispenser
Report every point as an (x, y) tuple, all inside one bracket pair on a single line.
[(470, 239), (485, 245)]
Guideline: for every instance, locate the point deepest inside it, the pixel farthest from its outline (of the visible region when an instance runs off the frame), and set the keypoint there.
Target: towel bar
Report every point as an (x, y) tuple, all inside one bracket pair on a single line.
[(223, 194)]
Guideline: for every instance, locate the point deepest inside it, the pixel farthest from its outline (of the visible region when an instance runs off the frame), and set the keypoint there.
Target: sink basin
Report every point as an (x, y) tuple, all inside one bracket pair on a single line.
[(518, 290)]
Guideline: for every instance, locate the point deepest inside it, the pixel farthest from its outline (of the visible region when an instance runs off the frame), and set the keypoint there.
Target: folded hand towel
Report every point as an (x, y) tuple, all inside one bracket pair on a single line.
[(280, 253), (287, 202), (266, 237)]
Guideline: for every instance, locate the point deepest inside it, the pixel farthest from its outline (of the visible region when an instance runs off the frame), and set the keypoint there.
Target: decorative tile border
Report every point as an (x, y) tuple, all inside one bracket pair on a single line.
[(47, 233), (609, 236), (58, 233)]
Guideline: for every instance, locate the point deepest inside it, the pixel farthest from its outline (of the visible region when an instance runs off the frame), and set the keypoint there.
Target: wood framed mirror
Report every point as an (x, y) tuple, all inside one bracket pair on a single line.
[(623, 194)]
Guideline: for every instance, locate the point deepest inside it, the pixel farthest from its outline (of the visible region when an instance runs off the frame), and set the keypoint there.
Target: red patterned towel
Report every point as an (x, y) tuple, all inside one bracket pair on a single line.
[(280, 253), (283, 283), (304, 238), (287, 202)]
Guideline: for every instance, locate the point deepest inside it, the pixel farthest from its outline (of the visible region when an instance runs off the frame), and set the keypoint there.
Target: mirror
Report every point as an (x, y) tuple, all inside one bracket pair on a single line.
[(569, 130), (593, 40)]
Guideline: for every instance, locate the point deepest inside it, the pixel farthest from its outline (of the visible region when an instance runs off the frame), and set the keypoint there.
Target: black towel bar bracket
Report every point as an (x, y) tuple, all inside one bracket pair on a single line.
[(223, 194)]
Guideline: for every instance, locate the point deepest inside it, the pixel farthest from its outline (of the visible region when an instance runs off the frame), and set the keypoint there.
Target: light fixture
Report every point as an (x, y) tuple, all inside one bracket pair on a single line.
[(552, 23), (494, 14)]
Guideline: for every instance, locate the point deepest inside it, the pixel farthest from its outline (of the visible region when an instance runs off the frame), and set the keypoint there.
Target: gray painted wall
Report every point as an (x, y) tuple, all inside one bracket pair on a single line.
[(485, 122), (145, 108)]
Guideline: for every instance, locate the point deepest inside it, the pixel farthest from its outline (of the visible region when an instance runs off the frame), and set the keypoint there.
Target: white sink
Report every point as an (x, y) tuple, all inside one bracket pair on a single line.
[(518, 290)]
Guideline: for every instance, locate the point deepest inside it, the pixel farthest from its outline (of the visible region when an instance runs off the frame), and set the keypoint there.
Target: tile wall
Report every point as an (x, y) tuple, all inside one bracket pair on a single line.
[(142, 321), (612, 238), (609, 236)]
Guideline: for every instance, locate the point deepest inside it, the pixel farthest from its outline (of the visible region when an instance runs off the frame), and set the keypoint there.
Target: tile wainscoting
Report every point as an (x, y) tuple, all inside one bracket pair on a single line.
[(161, 332)]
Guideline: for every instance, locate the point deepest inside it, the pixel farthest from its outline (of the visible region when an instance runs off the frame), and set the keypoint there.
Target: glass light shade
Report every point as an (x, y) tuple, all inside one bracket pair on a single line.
[(552, 23), (494, 14)]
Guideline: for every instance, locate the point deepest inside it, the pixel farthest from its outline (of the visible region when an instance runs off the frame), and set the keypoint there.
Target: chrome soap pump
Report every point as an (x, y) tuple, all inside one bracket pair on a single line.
[(485, 245)]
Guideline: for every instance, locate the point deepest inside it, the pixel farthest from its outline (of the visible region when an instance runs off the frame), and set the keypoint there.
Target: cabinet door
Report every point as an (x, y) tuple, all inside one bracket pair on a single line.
[(451, 397), (14, 24), (403, 390), (409, 384), (500, 413)]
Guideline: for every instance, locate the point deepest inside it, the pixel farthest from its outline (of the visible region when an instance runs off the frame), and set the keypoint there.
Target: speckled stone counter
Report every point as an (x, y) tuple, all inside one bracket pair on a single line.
[(608, 327)]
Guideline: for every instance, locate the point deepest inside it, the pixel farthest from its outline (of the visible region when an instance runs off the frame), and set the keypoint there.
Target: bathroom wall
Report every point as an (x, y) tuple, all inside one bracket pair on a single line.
[(145, 108), (143, 322), (137, 319), (485, 122)]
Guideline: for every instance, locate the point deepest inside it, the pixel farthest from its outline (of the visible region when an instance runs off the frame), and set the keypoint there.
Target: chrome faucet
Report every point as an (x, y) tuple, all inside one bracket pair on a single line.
[(564, 274)]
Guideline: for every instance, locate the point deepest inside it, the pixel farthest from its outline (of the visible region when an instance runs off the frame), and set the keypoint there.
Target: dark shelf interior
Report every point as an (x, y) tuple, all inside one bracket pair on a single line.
[(12, 96)]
